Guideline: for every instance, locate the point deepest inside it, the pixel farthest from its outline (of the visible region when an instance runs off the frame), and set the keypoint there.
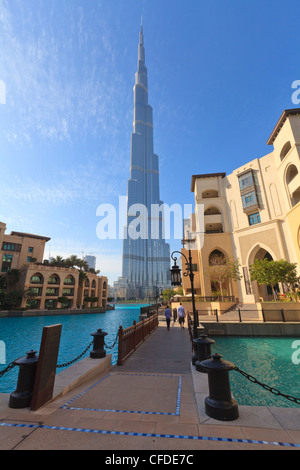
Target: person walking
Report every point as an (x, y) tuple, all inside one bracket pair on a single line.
[(181, 315), (168, 315), (174, 314)]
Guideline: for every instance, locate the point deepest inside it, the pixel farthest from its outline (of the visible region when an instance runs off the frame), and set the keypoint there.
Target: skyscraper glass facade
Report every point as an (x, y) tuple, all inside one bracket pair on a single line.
[(146, 259)]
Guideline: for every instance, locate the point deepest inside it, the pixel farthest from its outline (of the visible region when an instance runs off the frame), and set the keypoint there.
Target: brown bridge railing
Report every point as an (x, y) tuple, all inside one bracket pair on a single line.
[(131, 338)]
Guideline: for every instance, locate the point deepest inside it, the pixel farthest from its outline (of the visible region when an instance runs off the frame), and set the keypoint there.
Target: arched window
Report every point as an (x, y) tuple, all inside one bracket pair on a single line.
[(93, 284), (69, 280), (37, 278), (285, 150), (291, 173), (54, 279), (216, 257)]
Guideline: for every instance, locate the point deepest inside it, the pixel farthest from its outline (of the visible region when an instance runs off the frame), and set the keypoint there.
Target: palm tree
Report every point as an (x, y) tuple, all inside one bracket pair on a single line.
[(82, 265), (72, 261), (82, 277), (58, 261)]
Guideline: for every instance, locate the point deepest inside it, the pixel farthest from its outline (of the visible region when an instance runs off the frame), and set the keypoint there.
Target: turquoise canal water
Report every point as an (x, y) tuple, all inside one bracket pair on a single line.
[(269, 360), (23, 334)]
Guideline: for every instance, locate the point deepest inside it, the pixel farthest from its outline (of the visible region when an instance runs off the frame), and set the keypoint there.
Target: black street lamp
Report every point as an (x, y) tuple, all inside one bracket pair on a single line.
[(176, 281), (175, 272)]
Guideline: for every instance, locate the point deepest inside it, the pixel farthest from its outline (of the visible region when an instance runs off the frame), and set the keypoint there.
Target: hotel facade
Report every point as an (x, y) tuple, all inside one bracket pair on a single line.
[(252, 213), (47, 283)]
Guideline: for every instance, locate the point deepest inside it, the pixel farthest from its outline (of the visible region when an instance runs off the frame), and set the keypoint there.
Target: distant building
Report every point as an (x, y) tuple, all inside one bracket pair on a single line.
[(91, 261), (253, 213), (49, 283), (18, 248), (25, 252)]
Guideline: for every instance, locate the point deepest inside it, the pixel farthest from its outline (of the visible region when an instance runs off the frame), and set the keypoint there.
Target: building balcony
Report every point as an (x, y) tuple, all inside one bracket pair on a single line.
[(210, 193), (213, 219), (251, 208), (247, 189), (213, 228)]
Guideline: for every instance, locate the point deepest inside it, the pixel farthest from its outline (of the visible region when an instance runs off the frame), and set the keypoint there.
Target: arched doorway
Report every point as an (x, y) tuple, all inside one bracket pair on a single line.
[(262, 292)]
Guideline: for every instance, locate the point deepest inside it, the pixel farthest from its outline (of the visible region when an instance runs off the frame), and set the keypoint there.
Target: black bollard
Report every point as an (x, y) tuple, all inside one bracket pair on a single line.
[(219, 404), (196, 342), (98, 351), (21, 397), (202, 346)]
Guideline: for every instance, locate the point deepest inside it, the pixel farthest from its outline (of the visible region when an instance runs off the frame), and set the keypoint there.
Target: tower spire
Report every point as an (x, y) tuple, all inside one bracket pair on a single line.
[(141, 74), (141, 33)]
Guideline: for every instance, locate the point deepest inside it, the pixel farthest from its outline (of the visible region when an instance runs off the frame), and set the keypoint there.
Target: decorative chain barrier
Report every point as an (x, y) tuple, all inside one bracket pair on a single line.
[(83, 352), (66, 364), (7, 369), (12, 364), (267, 387), (115, 342)]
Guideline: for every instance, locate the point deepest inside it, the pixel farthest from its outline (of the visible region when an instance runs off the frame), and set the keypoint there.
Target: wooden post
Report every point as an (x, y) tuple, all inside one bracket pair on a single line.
[(46, 369), (217, 318), (240, 318), (120, 359), (134, 337)]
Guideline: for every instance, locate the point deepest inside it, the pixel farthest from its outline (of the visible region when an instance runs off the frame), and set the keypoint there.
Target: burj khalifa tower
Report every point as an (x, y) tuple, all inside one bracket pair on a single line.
[(146, 259)]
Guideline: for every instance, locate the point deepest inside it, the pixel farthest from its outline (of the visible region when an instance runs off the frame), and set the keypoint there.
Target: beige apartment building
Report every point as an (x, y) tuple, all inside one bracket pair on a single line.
[(18, 249), (253, 213), (25, 252)]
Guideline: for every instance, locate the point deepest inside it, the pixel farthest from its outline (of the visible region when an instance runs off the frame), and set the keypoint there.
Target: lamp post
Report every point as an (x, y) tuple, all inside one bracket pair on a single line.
[(176, 281)]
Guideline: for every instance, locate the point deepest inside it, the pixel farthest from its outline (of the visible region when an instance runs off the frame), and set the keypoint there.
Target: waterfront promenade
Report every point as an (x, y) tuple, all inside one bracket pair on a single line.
[(153, 402)]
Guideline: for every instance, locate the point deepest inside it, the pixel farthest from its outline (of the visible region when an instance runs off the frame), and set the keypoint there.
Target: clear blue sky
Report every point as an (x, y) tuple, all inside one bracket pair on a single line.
[(220, 74)]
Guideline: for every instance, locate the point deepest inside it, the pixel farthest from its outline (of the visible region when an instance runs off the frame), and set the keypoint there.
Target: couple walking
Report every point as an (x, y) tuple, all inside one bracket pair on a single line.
[(181, 316)]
